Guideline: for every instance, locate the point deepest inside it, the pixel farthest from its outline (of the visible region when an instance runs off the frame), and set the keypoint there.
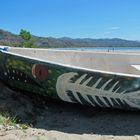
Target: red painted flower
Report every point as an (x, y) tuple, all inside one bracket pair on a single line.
[(39, 72)]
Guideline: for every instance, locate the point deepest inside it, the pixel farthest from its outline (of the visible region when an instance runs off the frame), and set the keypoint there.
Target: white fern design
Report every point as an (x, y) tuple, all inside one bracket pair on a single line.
[(107, 97)]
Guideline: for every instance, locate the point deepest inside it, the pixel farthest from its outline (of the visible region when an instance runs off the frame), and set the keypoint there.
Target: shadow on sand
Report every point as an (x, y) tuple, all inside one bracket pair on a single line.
[(69, 118)]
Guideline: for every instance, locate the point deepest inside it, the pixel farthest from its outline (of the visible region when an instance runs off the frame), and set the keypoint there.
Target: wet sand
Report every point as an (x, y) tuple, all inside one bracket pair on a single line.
[(49, 120)]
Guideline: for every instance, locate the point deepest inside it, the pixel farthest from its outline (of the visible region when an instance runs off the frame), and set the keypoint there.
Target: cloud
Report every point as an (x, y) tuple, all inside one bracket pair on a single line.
[(111, 30), (114, 28), (107, 32)]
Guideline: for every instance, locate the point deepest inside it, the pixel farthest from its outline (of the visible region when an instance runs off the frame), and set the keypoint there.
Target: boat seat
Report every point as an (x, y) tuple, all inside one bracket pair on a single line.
[(136, 67)]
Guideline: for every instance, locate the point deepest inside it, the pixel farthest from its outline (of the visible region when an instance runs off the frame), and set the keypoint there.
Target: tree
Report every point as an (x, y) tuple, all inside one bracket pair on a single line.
[(26, 36), (28, 41)]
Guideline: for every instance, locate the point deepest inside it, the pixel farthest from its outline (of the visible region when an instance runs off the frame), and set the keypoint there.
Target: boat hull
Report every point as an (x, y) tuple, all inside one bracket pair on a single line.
[(74, 85)]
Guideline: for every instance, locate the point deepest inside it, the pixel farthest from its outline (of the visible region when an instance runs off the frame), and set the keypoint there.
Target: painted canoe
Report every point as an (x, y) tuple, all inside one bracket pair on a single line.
[(98, 79)]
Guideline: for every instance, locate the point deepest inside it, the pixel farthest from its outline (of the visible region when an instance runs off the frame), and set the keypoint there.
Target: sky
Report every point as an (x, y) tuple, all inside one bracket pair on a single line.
[(73, 18)]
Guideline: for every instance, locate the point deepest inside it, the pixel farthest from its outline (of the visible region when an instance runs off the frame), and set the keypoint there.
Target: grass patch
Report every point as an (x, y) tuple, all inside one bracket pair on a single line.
[(9, 119)]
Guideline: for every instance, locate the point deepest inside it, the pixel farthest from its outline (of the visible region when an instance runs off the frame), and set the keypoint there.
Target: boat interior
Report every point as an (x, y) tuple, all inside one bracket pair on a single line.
[(118, 62)]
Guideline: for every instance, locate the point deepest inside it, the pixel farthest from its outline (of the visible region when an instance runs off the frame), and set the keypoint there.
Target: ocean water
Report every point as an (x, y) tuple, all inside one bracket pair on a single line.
[(106, 49)]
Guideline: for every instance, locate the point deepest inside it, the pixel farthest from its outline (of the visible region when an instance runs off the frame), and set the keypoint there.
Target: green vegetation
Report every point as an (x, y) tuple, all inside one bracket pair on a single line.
[(9, 119), (28, 42), (26, 36), (23, 126)]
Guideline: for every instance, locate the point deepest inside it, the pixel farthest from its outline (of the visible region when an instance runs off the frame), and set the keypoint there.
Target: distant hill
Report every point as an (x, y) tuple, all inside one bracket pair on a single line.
[(7, 38), (10, 39)]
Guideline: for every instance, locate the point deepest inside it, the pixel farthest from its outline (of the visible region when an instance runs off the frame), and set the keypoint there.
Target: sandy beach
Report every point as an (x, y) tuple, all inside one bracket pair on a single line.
[(50, 120)]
